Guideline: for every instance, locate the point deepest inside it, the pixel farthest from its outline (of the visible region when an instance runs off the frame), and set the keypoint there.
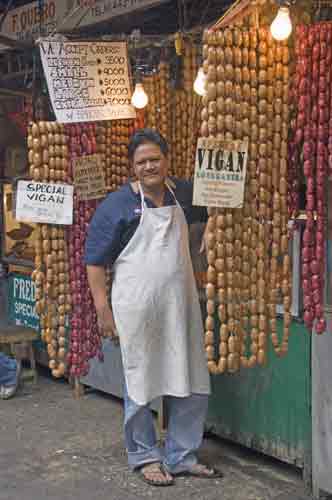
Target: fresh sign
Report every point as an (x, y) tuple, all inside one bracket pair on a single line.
[(22, 302)]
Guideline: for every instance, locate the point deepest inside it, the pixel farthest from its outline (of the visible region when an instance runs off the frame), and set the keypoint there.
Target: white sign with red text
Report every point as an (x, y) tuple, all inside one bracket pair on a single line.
[(29, 22), (33, 20)]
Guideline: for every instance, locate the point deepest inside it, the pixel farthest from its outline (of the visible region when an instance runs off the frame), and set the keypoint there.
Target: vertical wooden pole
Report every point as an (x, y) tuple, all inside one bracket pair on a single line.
[(78, 388)]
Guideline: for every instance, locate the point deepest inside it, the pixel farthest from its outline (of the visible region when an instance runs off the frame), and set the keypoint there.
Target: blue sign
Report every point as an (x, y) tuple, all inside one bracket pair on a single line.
[(22, 302)]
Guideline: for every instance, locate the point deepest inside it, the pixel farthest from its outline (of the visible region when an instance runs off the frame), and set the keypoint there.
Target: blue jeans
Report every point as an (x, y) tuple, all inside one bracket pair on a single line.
[(7, 370), (186, 418)]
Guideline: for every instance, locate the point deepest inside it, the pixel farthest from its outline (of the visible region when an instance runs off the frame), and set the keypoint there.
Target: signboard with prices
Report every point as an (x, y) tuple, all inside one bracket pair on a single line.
[(87, 81)]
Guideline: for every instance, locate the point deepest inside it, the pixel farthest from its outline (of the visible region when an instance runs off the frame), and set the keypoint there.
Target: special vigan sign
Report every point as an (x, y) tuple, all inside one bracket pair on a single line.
[(44, 202), (220, 172)]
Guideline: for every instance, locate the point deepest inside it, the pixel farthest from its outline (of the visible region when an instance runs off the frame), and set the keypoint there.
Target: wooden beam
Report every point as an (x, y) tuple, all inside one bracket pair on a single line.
[(237, 10)]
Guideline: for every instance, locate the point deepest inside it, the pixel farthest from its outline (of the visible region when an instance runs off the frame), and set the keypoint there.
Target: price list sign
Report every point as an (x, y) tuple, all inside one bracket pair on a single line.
[(87, 81), (89, 177)]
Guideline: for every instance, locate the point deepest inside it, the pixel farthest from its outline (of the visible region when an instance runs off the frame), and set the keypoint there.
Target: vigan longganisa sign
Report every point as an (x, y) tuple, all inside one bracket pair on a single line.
[(30, 21)]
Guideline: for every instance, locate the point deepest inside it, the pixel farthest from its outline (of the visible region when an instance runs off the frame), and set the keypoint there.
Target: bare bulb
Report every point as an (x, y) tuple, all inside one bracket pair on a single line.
[(139, 98), (281, 26), (200, 82)]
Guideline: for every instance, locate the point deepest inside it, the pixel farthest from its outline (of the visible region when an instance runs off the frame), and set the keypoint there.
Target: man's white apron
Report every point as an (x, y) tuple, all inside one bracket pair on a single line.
[(156, 309)]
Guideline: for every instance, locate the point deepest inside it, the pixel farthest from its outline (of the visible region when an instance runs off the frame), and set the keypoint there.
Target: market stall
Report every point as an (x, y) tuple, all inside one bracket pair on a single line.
[(249, 250), (276, 418)]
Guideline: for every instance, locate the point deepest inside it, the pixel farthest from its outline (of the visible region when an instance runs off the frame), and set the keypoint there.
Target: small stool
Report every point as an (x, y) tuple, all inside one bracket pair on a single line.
[(20, 339)]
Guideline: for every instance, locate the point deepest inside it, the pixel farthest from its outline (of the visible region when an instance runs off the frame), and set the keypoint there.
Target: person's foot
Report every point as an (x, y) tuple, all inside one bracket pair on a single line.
[(202, 471), (8, 391), (156, 474)]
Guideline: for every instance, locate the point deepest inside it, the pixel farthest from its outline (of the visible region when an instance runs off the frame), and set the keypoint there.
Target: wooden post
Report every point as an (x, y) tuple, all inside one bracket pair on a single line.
[(78, 388)]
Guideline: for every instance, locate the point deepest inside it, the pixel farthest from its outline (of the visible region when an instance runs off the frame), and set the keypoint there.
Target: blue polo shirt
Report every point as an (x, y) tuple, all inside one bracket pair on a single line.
[(117, 218)]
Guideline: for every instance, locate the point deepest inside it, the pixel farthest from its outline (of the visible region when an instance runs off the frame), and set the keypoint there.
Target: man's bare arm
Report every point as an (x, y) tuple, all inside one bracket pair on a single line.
[(97, 283)]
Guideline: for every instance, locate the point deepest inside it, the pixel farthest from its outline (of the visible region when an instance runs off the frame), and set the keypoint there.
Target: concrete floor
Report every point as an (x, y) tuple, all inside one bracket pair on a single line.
[(55, 448)]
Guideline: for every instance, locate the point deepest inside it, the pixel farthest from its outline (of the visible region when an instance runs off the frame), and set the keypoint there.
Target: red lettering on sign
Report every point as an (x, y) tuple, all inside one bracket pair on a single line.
[(32, 16), (14, 22)]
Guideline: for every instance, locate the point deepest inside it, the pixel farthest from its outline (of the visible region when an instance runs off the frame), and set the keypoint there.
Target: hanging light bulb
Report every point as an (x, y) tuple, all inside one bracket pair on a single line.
[(139, 98), (200, 82), (281, 26)]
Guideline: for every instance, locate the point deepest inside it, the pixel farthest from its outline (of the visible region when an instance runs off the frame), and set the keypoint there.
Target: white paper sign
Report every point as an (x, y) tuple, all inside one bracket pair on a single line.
[(43, 202), (87, 81), (220, 172)]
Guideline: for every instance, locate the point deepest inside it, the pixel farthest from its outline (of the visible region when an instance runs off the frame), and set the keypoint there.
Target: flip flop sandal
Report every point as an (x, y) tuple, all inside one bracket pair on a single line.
[(155, 468), (193, 472), (7, 392)]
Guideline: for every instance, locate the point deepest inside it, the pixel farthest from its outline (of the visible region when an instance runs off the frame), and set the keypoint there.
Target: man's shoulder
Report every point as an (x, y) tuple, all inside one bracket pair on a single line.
[(122, 194), (115, 202), (180, 184)]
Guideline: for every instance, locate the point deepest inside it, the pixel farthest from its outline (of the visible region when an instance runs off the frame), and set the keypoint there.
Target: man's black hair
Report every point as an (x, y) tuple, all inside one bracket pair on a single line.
[(143, 136)]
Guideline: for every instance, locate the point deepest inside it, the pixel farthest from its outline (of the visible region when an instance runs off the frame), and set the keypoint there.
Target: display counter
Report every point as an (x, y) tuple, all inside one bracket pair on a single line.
[(321, 388), (269, 409)]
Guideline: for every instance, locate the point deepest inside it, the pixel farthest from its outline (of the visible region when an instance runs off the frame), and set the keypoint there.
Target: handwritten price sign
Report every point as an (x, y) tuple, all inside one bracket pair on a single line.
[(87, 81), (89, 177)]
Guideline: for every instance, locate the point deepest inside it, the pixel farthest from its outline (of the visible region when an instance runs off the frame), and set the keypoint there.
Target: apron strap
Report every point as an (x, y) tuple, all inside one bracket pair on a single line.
[(172, 192), (143, 204)]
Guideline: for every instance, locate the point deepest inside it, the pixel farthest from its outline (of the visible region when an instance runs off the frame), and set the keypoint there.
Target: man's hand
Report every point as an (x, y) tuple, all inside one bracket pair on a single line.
[(97, 283), (106, 322)]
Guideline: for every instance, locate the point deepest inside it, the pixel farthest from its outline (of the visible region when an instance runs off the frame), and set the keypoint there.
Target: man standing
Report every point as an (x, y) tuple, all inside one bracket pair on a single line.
[(10, 370), (141, 232)]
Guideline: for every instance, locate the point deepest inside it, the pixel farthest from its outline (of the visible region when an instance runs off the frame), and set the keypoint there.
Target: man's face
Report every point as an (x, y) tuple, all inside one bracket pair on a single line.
[(150, 165)]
